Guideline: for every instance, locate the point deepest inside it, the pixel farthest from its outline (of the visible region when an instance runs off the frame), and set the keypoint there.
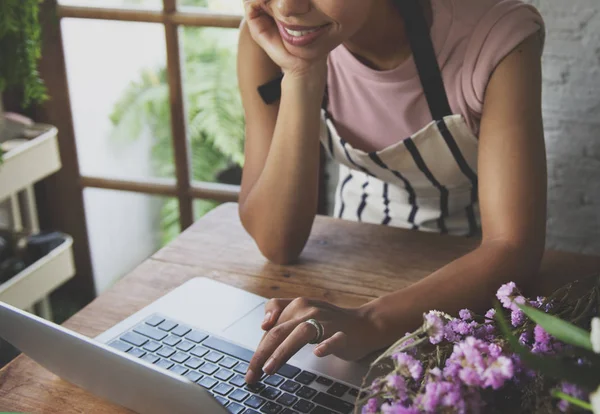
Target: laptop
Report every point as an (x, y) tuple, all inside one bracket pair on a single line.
[(187, 352)]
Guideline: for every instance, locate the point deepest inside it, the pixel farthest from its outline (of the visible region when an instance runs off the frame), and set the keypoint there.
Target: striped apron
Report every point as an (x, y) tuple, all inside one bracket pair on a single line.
[(427, 181)]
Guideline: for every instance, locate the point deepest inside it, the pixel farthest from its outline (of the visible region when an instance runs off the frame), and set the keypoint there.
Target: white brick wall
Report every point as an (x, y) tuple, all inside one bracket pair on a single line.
[(572, 122)]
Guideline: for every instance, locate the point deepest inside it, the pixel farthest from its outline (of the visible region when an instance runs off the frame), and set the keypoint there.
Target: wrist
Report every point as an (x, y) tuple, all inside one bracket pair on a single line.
[(372, 314), (310, 81)]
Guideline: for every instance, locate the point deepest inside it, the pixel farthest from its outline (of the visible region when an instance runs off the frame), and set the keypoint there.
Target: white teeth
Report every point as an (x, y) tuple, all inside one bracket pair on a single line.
[(296, 33)]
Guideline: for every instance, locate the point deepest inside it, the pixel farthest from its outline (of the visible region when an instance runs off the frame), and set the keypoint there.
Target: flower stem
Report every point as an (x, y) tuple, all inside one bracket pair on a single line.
[(572, 400)]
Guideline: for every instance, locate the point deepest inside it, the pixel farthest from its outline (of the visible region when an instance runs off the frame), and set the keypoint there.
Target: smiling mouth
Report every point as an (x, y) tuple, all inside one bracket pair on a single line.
[(301, 35)]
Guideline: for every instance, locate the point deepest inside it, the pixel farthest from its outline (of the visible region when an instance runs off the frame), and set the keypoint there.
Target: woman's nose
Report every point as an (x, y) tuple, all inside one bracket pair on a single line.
[(290, 8)]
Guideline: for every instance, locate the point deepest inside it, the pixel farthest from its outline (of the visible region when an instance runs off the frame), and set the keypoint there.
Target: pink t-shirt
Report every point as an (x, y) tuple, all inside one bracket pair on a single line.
[(375, 109)]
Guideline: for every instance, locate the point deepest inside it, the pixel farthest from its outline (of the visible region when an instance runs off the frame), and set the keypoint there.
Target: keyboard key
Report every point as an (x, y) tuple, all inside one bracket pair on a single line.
[(288, 411), (134, 339), (120, 345), (193, 376), (305, 378), (353, 392), (178, 369), (238, 395), (224, 375), (185, 346), (209, 368), (208, 382), (333, 403), (270, 393), (274, 380), (338, 389), (290, 386), (228, 349), (221, 400), (241, 368), (254, 401), (213, 356), (196, 336), (287, 399), (193, 363), (228, 362), (152, 346), (321, 410), (181, 330), (154, 320), (199, 351), (288, 371), (251, 411), (255, 388), (172, 340), (180, 357), (150, 332), (164, 363), (271, 408), (150, 358), (223, 389), (166, 352), (167, 325), (238, 381), (324, 381), (306, 392), (136, 352), (235, 408), (304, 406)]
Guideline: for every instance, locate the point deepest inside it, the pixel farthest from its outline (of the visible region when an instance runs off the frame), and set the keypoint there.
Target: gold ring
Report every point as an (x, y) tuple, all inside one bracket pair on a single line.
[(320, 331)]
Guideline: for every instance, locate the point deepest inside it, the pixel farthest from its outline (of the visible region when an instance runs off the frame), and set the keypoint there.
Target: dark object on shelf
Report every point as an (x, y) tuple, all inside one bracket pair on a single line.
[(231, 175), (10, 268), (39, 245)]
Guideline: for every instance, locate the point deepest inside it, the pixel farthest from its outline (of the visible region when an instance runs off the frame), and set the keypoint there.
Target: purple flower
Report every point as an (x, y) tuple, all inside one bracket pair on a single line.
[(490, 315), (465, 315), (397, 384), (371, 407), (525, 338), (505, 294), (398, 408), (573, 391), (542, 341), (434, 325), (517, 318), (408, 366)]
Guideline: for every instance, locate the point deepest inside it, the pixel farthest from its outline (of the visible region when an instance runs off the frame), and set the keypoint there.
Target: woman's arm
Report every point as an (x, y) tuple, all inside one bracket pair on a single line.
[(512, 196), (278, 199)]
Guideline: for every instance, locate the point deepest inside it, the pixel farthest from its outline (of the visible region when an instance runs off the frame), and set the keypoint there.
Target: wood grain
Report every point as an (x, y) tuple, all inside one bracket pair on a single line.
[(345, 263)]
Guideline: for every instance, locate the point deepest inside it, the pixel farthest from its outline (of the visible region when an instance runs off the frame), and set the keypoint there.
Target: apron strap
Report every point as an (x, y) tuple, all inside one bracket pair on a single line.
[(417, 31)]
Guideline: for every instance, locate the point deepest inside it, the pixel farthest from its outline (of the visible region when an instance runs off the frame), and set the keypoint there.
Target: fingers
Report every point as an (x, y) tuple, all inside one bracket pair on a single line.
[(332, 346), (279, 345), (273, 310)]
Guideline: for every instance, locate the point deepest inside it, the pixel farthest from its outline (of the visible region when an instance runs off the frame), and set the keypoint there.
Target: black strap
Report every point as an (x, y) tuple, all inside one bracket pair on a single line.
[(270, 92), (417, 31)]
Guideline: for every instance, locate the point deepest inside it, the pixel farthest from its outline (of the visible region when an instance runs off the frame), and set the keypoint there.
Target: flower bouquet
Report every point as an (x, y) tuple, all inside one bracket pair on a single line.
[(523, 356)]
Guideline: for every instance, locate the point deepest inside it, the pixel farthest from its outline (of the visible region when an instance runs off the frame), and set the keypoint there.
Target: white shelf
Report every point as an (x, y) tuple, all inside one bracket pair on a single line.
[(25, 163), (30, 162), (41, 278)]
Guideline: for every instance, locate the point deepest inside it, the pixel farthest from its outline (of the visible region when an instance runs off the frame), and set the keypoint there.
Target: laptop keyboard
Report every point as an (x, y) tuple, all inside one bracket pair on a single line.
[(220, 367)]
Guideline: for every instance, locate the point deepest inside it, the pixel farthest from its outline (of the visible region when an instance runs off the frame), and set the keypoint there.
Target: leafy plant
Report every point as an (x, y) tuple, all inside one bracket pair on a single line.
[(213, 109), (20, 48)]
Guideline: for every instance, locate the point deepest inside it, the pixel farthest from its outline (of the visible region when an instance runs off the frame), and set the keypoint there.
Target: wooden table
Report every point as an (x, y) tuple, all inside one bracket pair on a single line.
[(345, 263)]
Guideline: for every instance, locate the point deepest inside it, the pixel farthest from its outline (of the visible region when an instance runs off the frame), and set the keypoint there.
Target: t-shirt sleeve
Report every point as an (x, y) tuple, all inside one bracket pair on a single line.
[(506, 25)]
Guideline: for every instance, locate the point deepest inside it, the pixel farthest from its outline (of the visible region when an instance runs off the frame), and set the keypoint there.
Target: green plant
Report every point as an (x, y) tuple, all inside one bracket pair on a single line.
[(20, 48), (214, 114)]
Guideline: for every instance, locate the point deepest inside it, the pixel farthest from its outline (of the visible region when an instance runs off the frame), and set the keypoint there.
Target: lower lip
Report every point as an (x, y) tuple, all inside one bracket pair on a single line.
[(301, 40)]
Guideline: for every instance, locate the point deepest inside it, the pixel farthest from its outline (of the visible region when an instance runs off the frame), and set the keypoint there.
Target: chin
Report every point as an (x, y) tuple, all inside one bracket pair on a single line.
[(308, 52)]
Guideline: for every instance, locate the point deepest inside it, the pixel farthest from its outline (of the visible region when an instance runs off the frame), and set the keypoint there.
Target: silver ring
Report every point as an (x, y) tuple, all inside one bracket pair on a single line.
[(320, 331)]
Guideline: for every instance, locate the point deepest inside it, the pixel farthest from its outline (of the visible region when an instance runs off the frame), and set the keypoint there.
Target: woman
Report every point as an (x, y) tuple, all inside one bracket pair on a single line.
[(433, 110)]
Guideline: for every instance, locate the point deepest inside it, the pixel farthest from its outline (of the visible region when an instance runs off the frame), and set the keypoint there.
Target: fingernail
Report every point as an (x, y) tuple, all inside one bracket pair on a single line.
[(267, 317), (268, 368)]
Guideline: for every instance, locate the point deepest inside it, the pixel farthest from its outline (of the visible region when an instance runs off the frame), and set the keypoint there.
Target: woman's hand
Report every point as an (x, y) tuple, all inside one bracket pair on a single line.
[(266, 34), (348, 333)]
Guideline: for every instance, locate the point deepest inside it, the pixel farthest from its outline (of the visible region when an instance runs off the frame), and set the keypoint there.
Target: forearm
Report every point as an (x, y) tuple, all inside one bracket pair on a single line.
[(468, 282), (280, 208)]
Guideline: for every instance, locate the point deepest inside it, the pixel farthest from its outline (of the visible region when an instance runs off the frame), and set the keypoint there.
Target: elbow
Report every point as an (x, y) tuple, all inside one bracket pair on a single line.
[(277, 247)]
